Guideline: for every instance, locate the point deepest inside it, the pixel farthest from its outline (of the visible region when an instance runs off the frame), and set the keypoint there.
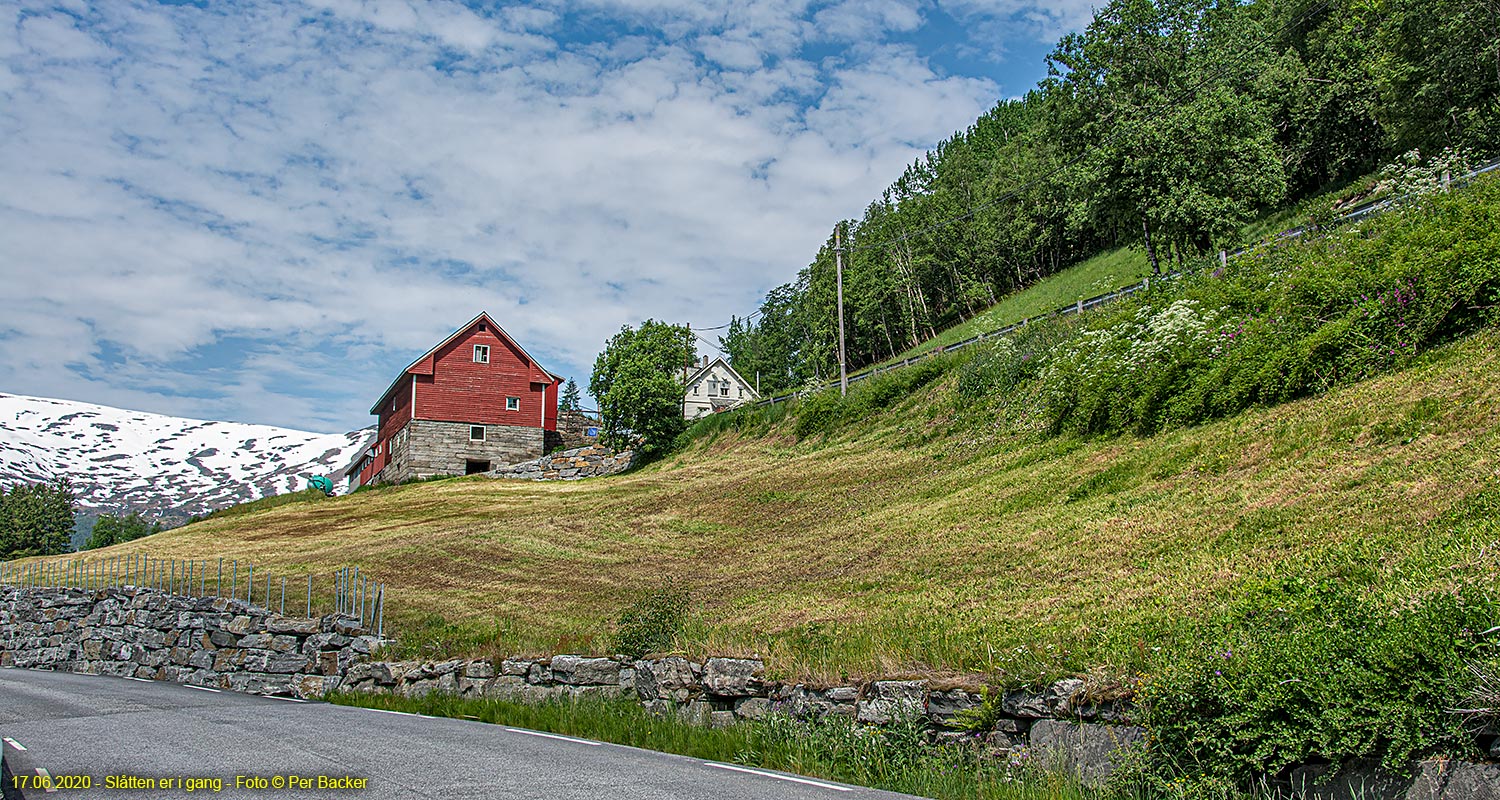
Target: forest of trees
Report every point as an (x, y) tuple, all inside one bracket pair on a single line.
[(1167, 125), (36, 519)]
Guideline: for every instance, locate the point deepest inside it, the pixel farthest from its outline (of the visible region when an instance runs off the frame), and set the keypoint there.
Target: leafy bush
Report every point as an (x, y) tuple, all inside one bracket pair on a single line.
[(1284, 323), (652, 621), (1305, 671), (827, 411)]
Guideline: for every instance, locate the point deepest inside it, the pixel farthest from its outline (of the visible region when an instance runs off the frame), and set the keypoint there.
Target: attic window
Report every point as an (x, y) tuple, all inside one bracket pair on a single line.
[(476, 433), (512, 404), (481, 354), (724, 389)]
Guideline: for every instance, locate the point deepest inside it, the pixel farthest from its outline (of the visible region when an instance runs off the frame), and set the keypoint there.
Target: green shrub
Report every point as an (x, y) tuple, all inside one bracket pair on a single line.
[(827, 411), (653, 621), (1284, 323), (1305, 671)]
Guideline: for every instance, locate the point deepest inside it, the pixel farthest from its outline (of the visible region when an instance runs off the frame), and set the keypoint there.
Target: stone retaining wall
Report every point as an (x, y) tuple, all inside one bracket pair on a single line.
[(230, 644), (200, 641), (570, 465), (1056, 726)]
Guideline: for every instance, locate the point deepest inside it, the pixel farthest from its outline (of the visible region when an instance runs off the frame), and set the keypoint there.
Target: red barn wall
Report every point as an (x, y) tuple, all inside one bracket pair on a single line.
[(460, 390)]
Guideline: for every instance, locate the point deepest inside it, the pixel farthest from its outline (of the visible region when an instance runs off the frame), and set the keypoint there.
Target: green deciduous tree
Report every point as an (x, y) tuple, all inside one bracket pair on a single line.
[(638, 381), (111, 530)]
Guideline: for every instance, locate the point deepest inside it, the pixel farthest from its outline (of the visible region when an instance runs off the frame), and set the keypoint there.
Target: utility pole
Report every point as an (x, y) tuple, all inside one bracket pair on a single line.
[(838, 257)]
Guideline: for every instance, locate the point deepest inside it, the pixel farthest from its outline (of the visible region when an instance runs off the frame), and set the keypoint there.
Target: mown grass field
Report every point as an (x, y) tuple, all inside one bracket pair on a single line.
[(929, 538)]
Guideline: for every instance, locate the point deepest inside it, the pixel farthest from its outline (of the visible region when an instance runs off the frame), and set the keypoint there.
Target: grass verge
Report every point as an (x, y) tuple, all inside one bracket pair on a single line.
[(895, 758)]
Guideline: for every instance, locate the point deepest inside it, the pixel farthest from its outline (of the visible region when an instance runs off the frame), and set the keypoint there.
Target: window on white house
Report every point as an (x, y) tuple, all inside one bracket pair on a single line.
[(512, 404), (695, 390), (481, 354), (742, 391), (476, 433), (724, 389)]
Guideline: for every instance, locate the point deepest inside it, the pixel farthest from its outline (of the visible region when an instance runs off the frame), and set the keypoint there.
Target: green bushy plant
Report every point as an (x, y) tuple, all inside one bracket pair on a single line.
[(827, 411), (1283, 323), (653, 620), (1307, 670)]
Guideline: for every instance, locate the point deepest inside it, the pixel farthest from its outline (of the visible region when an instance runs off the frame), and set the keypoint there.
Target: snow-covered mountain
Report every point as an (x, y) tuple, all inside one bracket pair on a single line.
[(164, 467)]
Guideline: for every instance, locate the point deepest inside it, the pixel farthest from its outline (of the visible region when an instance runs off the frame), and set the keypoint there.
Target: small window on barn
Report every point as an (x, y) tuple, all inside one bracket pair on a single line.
[(476, 433), (481, 354), (512, 404)]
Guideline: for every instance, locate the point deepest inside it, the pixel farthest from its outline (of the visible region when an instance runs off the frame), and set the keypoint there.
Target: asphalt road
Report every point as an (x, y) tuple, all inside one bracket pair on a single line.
[(99, 727)]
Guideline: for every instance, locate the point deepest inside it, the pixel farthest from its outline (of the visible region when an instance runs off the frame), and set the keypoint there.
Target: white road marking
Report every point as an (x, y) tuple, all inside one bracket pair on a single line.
[(141, 680), (388, 711), (554, 736), (46, 780), (288, 699), (778, 777), (15, 744), (204, 689)]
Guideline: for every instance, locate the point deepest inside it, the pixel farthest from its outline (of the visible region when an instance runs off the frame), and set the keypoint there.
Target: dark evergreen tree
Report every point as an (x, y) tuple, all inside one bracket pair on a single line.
[(571, 398)]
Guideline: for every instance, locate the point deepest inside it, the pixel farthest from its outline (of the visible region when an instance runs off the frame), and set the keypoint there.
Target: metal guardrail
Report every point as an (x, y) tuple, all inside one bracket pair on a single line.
[(353, 593), (1354, 215)]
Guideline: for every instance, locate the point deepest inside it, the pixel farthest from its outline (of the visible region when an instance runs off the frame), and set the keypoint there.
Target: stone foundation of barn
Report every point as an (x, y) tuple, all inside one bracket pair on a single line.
[(426, 448)]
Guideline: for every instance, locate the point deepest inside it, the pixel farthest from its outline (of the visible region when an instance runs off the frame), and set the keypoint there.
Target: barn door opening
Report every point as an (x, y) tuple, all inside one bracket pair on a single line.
[(472, 467)]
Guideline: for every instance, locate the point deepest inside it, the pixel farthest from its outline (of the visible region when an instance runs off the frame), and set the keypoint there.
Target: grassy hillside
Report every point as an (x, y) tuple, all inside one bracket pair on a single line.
[(1263, 499), (939, 545), (1102, 273)]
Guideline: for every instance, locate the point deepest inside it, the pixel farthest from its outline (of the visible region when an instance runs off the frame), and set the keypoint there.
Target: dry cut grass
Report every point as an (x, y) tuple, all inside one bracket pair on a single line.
[(931, 538)]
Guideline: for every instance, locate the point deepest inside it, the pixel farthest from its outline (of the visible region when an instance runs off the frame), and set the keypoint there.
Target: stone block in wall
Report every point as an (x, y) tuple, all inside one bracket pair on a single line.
[(1452, 780), (581, 671), (889, 700), (513, 666), (733, 677), (1025, 705), (292, 625), (943, 706), (669, 678), (752, 707), (479, 669), (1063, 696), (260, 683), (1092, 752), (273, 662)]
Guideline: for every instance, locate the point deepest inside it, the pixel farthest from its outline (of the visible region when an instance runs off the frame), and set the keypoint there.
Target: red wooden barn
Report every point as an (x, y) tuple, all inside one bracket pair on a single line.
[(475, 402)]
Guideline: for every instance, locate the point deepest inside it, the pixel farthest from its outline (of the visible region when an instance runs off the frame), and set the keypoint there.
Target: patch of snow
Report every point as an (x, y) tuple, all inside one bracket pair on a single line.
[(167, 467)]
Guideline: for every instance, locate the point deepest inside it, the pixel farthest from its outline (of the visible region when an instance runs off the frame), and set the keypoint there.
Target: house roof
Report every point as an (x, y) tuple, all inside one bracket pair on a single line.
[(411, 368), (720, 360)]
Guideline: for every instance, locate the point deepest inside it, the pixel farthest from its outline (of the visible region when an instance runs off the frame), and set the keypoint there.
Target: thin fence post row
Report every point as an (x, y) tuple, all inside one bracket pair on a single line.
[(355, 593)]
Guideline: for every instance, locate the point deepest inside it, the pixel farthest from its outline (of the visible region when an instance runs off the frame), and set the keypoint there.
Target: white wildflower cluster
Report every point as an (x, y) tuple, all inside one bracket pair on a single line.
[(1129, 351), (1412, 175)]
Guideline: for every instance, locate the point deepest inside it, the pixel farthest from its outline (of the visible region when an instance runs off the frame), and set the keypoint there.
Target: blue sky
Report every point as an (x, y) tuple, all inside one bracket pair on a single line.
[(262, 211)]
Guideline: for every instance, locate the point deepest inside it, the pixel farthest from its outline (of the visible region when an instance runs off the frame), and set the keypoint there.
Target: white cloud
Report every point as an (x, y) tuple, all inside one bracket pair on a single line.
[(334, 186)]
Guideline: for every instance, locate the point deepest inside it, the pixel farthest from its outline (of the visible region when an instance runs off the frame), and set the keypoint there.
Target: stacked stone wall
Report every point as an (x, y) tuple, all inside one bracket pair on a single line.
[(200, 641), (573, 431), (570, 465), (229, 644), (425, 448)]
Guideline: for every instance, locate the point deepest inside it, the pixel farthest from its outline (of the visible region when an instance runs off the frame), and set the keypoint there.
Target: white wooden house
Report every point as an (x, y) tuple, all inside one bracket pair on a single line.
[(714, 386)]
